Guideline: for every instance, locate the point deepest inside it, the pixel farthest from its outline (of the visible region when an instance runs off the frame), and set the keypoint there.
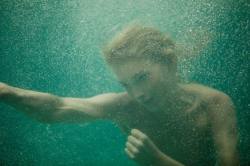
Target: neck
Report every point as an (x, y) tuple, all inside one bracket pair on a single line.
[(175, 99)]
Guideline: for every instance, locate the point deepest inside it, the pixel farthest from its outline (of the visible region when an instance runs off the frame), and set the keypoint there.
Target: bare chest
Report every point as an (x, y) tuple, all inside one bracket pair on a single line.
[(185, 136)]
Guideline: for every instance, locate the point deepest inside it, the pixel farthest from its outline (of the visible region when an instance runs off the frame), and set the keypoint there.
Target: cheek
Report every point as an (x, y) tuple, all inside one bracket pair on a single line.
[(154, 81)]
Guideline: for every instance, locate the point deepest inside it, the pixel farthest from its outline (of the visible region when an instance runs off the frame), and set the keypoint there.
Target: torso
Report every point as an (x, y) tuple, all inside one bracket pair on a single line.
[(186, 136)]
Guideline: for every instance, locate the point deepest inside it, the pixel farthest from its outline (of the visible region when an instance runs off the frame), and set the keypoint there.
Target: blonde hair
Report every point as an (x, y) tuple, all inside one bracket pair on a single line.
[(138, 42)]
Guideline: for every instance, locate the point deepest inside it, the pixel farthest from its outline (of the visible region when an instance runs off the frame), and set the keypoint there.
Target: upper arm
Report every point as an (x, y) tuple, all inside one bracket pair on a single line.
[(102, 106), (223, 122)]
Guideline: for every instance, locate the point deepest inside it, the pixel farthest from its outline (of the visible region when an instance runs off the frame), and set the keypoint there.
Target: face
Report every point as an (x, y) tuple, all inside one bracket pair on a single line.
[(145, 81)]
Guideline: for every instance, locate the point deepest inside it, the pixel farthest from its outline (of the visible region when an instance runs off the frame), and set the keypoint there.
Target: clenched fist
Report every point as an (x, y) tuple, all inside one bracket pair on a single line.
[(141, 148)]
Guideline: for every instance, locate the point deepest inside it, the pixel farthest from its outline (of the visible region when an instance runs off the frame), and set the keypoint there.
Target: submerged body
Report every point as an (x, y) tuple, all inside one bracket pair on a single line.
[(200, 132), (167, 123), (186, 134)]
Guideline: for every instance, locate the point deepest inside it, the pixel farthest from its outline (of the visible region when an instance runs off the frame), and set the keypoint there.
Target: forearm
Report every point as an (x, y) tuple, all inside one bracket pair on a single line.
[(38, 105), (164, 160)]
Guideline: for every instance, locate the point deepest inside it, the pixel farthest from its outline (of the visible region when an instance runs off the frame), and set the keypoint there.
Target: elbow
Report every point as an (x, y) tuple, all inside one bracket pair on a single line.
[(52, 114), (47, 117)]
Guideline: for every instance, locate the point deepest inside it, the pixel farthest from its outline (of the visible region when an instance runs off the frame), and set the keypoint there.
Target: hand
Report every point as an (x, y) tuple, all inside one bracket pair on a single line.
[(140, 147), (3, 89)]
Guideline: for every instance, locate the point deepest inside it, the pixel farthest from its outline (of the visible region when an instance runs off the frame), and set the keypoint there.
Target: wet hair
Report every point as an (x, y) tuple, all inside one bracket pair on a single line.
[(137, 42)]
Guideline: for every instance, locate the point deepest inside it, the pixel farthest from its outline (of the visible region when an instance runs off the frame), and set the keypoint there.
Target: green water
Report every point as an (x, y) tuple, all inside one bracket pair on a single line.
[(54, 46)]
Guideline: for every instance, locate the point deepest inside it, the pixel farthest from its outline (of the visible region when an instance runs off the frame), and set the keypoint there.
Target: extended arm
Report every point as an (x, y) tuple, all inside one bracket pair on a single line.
[(49, 108)]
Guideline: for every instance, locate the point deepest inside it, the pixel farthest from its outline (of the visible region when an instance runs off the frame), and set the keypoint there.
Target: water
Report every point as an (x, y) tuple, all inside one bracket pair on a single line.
[(54, 46)]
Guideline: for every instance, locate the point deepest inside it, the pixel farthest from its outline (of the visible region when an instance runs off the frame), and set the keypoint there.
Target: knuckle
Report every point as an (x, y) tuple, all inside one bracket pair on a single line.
[(133, 130), (140, 144), (127, 144), (136, 152), (144, 138), (129, 138)]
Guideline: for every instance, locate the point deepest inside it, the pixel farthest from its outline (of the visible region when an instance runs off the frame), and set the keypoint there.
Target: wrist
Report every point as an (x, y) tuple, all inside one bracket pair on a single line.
[(160, 158), (164, 160)]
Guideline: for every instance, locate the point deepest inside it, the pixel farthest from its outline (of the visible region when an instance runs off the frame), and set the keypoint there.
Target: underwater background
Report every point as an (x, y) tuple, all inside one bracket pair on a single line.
[(55, 46)]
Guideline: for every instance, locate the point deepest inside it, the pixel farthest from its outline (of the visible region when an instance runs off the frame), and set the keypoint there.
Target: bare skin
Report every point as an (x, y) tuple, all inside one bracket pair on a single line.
[(187, 135), (167, 123)]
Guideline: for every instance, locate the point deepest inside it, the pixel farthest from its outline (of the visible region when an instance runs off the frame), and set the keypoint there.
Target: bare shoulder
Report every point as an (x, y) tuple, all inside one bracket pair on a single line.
[(217, 105), (208, 94)]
